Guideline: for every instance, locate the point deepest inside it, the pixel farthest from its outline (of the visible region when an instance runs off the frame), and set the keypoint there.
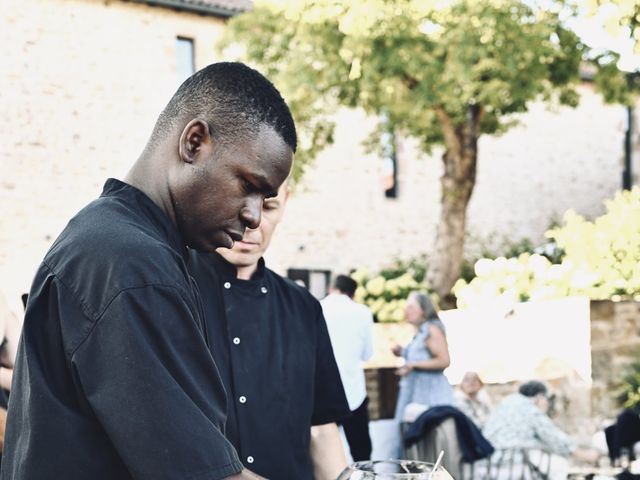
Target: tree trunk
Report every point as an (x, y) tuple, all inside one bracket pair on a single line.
[(457, 182)]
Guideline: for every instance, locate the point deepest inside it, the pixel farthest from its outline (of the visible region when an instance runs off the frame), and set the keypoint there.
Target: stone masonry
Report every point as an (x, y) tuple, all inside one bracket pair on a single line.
[(83, 81), (82, 84), (615, 344)]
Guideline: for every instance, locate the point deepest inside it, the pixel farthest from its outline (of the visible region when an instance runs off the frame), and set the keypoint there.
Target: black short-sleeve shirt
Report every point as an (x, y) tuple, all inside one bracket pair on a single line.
[(270, 342), (114, 378)]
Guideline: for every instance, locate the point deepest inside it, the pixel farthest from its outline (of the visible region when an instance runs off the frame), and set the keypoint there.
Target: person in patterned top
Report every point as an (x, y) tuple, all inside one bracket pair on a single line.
[(521, 421)]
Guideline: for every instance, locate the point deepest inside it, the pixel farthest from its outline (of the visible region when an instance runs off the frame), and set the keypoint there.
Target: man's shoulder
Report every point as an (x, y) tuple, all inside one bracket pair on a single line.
[(362, 313), (203, 264), (290, 289), (103, 251), (347, 305), (96, 233)]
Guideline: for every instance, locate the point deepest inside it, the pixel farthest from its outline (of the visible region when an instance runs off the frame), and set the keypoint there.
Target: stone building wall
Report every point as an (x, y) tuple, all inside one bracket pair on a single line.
[(81, 85), (527, 178), (83, 81), (615, 344)]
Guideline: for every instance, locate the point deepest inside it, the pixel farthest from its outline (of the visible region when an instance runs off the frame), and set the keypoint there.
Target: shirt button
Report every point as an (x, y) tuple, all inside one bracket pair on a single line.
[(249, 459), (242, 399), (227, 285), (236, 341), (264, 290)]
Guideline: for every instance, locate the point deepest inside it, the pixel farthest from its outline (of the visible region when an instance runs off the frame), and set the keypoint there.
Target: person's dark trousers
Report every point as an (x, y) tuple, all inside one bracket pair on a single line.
[(356, 429), (623, 434)]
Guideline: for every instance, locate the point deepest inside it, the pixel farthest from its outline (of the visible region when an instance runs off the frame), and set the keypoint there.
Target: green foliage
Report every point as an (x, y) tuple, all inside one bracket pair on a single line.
[(516, 279), (385, 293), (608, 247), (621, 18), (601, 260), (619, 14), (508, 250), (629, 396), (615, 85), (416, 266), (408, 58)]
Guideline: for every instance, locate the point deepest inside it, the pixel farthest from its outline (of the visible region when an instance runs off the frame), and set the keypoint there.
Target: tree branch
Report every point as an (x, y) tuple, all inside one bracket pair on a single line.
[(449, 131), (409, 81)]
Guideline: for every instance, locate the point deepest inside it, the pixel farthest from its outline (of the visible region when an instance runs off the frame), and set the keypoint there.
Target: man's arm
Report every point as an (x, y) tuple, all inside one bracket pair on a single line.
[(554, 439), (148, 376), (327, 452), (367, 350), (245, 475)]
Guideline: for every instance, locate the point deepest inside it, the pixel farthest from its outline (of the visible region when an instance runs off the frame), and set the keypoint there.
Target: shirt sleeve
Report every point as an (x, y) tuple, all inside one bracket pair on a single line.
[(147, 373), (367, 350), (330, 402), (554, 439)]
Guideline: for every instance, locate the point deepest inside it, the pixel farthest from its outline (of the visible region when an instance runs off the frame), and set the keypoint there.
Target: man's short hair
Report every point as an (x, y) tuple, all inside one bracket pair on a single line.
[(533, 388), (234, 99), (346, 285)]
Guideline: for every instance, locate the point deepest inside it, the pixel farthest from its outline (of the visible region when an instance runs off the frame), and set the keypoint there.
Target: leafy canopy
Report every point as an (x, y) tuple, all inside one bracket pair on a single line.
[(619, 15), (407, 58), (601, 260)]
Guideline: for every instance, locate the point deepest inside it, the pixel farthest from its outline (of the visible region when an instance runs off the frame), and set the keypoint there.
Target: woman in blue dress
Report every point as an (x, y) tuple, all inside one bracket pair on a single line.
[(426, 356), (423, 382)]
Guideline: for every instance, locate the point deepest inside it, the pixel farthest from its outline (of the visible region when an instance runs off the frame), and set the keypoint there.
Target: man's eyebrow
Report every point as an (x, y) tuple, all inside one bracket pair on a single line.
[(263, 184)]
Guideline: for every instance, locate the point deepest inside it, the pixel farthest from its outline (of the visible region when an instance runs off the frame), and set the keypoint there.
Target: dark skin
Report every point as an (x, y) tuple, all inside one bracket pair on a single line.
[(212, 190)]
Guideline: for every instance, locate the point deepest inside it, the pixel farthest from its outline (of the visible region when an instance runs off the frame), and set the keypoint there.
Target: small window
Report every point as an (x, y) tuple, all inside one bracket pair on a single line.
[(185, 63), (315, 280)]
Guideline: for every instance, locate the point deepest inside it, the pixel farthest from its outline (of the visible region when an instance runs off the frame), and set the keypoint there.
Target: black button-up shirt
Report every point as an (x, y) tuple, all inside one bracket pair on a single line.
[(270, 342), (114, 378)]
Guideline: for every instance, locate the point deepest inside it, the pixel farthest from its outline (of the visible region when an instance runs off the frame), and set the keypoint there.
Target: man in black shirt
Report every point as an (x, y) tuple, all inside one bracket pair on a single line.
[(274, 354), (114, 378)]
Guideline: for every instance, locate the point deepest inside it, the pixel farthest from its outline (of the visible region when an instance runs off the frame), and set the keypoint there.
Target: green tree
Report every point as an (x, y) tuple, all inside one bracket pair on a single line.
[(618, 15), (600, 260), (621, 17), (442, 74)]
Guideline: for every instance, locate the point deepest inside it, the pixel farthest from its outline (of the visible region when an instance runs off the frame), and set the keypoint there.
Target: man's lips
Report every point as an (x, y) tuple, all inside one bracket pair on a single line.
[(247, 242), (235, 236)]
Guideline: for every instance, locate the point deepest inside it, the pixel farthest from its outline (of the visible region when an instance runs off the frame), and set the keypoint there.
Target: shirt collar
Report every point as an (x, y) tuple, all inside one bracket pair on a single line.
[(143, 204), (229, 271)]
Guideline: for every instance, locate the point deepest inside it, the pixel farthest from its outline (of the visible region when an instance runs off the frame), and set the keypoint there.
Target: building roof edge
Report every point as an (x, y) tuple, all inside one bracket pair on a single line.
[(200, 7)]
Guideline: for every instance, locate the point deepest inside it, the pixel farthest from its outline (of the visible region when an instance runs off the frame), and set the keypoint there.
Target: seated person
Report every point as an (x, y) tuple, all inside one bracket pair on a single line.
[(623, 437), (472, 399), (521, 421)]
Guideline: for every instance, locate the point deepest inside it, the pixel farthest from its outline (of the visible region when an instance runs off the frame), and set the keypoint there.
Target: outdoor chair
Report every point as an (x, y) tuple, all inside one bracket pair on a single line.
[(510, 464), (441, 438)]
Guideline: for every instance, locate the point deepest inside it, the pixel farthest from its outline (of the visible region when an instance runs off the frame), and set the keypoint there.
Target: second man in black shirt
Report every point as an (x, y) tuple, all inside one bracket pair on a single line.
[(270, 342)]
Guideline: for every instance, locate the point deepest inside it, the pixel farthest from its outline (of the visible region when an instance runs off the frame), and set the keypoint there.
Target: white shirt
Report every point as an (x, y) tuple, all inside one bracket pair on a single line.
[(350, 326)]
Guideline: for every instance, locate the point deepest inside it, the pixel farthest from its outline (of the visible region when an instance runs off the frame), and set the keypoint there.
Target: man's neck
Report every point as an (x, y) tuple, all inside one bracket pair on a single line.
[(340, 294), (246, 272), (143, 177)]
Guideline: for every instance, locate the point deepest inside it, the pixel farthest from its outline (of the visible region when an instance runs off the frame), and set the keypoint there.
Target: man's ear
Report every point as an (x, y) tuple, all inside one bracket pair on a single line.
[(194, 136)]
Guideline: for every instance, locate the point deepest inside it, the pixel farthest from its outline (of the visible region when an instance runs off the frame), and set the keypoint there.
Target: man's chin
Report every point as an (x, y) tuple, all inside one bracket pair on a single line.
[(238, 259)]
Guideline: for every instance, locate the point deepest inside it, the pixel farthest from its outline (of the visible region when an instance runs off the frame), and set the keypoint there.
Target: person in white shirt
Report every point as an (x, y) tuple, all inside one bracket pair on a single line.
[(350, 326)]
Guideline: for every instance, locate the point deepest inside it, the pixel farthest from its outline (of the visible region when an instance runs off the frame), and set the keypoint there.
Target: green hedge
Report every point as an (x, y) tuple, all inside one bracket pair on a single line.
[(601, 260)]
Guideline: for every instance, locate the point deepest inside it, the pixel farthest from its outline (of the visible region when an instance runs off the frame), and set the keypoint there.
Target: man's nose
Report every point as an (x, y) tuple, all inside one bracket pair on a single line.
[(250, 213)]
